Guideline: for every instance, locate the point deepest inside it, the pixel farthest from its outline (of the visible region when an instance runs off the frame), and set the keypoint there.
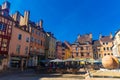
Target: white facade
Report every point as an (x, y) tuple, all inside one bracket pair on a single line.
[(116, 42)]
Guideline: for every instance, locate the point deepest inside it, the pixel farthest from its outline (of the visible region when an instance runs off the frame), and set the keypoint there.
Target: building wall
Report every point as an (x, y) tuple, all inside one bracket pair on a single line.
[(116, 44), (106, 49), (104, 46), (50, 46), (59, 50), (37, 45), (37, 41), (82, 47), (82, 51), (15, 41), (5, 33)]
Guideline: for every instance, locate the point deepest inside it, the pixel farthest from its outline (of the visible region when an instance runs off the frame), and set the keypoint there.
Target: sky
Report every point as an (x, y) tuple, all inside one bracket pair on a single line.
[(68, 18)]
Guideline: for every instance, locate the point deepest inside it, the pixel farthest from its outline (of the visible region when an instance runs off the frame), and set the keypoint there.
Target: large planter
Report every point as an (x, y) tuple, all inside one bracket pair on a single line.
[(110, 62)]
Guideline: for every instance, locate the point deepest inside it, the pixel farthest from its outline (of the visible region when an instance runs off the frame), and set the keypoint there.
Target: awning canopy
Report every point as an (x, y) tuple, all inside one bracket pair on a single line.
[(56, 60)]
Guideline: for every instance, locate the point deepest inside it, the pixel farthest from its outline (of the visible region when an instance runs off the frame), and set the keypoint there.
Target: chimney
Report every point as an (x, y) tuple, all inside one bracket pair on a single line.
[(26, 17), (6, 8), (37, 24), (111, 35), (78, 36), (41, 23), (90, 35), (6, 5), (16, 16), (100, 36)]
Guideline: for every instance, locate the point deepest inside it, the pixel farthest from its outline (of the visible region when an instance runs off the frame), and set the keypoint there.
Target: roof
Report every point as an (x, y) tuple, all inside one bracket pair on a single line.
[(97, 42), (106, 39), (84, 39)]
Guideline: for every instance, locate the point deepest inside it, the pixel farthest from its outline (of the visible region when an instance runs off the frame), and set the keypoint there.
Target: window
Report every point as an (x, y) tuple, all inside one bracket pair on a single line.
[(41, 43), (76, 54), (39, 33), (2, 27), (111, 53), (111, 48), (32, 39), (36, 32), (98, 49), (95, 55), (104, 54), (76, 49), (81, 48), (38, 41), (32, 31), (103, 43), (18, 49), (108, 53), (19, 37), (107, 48), (82, 54), (63, 53), (104, 48), (87, 48), (26, 50), (106, 43), (35, 40), (4, 43), (27, 39), (99, 55), (88, 54)]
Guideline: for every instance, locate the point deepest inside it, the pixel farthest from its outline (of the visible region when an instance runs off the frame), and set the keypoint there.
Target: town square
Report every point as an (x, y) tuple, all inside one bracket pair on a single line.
[(59, 40)]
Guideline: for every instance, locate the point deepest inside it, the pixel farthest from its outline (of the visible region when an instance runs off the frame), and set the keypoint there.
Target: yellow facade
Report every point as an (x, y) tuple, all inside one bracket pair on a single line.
[(67, 54)]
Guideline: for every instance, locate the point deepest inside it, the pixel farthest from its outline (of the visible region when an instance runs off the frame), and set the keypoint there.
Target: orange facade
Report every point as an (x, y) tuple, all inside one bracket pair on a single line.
[(82, 48), (37, 43)]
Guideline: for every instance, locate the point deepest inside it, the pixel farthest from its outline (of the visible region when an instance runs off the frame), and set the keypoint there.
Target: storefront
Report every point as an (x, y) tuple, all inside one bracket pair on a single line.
[(18, 62)]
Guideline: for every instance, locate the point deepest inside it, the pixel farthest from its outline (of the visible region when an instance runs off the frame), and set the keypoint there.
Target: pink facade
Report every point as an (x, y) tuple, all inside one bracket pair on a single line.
[(19, 48), (15, 41)]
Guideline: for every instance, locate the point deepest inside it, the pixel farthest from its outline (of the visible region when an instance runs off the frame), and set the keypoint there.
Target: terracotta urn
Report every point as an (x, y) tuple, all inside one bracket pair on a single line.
[(110, 62)]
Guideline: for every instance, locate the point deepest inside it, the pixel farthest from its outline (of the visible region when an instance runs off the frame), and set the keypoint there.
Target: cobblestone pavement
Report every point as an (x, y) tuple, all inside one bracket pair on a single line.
[(31, 75)]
